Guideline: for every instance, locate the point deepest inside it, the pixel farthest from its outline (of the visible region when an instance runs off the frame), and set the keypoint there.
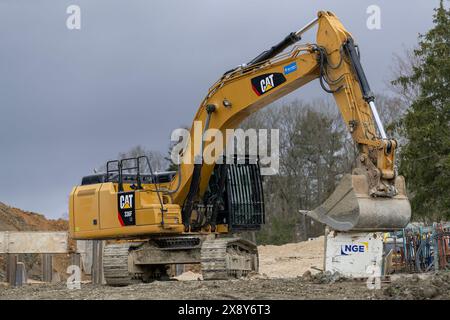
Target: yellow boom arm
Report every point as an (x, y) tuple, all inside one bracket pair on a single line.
[(335, 62)]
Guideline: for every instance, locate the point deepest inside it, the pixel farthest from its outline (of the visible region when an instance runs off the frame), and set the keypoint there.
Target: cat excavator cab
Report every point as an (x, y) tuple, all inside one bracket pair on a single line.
[(193, 215)]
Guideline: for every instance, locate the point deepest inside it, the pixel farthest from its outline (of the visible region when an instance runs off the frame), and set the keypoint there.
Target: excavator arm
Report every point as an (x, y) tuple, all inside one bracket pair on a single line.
[(373, 197)]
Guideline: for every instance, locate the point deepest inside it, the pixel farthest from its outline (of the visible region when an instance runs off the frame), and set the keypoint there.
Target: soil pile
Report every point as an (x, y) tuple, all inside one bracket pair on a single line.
[(14, 219), (291, 260), (420, 287)]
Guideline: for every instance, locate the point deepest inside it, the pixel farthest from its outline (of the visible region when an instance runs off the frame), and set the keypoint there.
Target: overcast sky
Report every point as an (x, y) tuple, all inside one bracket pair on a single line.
[(71, 99)]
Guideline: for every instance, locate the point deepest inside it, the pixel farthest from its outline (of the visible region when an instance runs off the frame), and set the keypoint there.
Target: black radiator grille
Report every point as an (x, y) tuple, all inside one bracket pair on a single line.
[(245, 197)]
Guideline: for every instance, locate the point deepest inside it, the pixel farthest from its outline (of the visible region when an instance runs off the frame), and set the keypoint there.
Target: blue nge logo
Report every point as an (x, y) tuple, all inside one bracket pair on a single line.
[(347, 249)]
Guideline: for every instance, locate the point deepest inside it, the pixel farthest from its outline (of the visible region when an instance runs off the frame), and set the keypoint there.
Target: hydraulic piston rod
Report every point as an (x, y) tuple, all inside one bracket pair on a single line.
[(290, 39), (369, 97), (307, 27), (377, 120)]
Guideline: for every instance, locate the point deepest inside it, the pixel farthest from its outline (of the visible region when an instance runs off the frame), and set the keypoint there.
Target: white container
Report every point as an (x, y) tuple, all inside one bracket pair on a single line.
[(354, 254)]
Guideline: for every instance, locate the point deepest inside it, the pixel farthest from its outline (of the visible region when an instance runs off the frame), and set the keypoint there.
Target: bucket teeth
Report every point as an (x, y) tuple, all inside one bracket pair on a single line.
[(351, 208)]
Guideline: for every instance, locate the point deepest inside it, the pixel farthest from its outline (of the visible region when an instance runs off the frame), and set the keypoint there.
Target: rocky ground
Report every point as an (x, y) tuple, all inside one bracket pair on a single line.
[(318, 286), (420, 286)]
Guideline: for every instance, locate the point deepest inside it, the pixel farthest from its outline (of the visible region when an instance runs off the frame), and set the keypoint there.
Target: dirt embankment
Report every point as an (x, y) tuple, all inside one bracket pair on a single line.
[(291, 260), (14, 219)]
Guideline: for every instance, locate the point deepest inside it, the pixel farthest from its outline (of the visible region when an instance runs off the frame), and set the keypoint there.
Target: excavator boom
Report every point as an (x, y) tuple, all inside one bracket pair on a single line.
[(370, 199)]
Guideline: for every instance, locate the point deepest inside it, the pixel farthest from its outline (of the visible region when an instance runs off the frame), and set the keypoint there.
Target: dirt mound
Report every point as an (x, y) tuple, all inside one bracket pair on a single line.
[(426, 286), (13, 219), (291, 260)]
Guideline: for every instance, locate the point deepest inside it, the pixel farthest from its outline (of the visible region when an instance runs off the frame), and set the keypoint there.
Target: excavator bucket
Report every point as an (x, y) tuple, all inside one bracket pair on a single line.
[(350, 207)]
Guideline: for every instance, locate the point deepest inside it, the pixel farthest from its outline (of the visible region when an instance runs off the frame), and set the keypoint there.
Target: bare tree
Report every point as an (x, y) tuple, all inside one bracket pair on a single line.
[(403, 66), (156, 159)]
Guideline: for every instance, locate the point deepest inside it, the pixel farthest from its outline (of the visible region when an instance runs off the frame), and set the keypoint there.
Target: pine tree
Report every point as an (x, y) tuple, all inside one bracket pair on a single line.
[(425, 160)]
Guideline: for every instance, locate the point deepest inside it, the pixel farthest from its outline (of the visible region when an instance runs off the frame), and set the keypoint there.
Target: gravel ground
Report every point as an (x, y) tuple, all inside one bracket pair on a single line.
[(233, 289), (318, 286)]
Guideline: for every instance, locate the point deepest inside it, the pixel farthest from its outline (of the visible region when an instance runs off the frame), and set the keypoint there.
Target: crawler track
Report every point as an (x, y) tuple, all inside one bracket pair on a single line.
[(226, 258), (115, 264), (220, 259)]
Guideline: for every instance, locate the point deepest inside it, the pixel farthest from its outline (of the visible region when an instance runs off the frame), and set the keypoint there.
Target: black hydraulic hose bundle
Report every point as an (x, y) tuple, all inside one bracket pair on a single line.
[(195, 182), (350, 49), (323, 77), (289, 40)]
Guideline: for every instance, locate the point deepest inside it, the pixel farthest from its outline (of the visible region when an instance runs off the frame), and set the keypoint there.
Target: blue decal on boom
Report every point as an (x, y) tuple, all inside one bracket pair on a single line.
[(290, 68)]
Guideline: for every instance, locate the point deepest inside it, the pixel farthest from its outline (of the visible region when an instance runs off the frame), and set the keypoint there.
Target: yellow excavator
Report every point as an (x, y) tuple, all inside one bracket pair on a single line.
[(193, 215)]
